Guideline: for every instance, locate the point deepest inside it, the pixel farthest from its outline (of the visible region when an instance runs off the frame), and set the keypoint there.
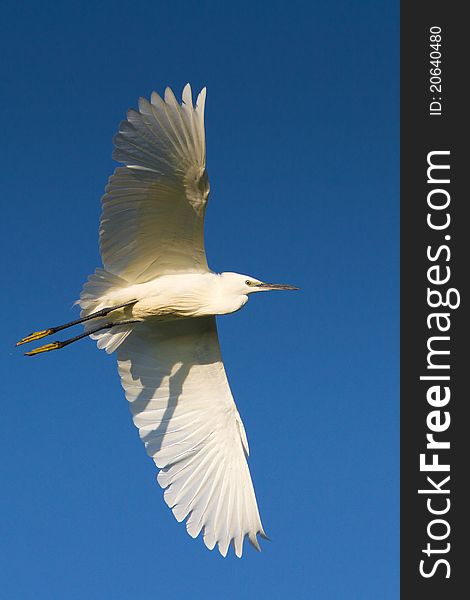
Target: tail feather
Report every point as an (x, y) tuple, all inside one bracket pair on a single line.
[(98, 286)]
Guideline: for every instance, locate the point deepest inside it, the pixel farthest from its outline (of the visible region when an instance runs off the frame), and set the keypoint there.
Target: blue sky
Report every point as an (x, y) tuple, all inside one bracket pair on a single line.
[(302, 145)]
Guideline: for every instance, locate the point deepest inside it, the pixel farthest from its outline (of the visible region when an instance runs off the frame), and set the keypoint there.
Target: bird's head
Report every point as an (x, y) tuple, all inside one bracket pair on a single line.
[(245, 284)]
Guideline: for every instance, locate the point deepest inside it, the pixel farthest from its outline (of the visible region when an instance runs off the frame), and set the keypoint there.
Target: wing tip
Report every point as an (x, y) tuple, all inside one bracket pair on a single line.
[(170, 97), (187, 96), (201, 101), (237, 543)]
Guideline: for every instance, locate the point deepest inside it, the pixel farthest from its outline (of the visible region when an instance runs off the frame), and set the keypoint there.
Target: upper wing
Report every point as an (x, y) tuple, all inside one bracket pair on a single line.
[(153, 209), (181, 402)]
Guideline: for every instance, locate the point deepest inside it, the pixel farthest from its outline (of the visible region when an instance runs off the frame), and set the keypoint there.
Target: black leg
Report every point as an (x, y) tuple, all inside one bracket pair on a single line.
[(37, 335), (58, 345)]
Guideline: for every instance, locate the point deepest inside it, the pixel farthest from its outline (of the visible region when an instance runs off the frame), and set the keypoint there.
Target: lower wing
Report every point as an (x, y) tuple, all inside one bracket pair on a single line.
[(181, 402)]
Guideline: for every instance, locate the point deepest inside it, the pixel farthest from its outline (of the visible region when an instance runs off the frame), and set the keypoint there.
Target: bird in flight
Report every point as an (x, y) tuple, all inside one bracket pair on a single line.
[(154, 302)]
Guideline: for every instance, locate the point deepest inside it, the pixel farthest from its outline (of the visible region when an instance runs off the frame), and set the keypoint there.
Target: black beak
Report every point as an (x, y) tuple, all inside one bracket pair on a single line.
[(276, 286)]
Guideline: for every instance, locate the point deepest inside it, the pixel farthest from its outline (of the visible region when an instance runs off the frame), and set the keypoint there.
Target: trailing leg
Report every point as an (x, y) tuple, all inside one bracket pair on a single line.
[(59, 345), (37, 335)]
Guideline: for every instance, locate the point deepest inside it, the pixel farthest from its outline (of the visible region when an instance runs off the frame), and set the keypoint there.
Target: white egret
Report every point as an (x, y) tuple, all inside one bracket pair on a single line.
[(155, 302)]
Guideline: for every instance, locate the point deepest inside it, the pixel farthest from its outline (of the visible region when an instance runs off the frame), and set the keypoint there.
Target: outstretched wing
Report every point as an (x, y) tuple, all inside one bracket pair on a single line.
[(152, 221), (181, 402)]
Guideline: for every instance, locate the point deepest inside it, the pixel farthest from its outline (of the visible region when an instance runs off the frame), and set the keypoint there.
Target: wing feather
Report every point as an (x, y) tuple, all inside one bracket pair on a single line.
[(152, 220), (179, 396)]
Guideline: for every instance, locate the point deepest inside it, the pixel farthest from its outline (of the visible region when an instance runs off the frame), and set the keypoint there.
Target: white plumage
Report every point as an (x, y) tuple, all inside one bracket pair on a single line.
[(181, 402), (153, 210), (155, 302)]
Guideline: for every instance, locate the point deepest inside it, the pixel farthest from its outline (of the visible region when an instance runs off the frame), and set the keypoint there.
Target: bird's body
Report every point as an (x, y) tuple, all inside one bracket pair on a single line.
[(154, 302), (182, 295)]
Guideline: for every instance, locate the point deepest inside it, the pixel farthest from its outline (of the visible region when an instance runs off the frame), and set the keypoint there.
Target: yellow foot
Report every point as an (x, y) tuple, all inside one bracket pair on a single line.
[(37, 335), (46, 348)]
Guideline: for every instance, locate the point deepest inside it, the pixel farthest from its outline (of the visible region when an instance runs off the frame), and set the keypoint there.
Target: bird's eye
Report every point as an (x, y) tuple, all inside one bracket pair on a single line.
[(248, 282)]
